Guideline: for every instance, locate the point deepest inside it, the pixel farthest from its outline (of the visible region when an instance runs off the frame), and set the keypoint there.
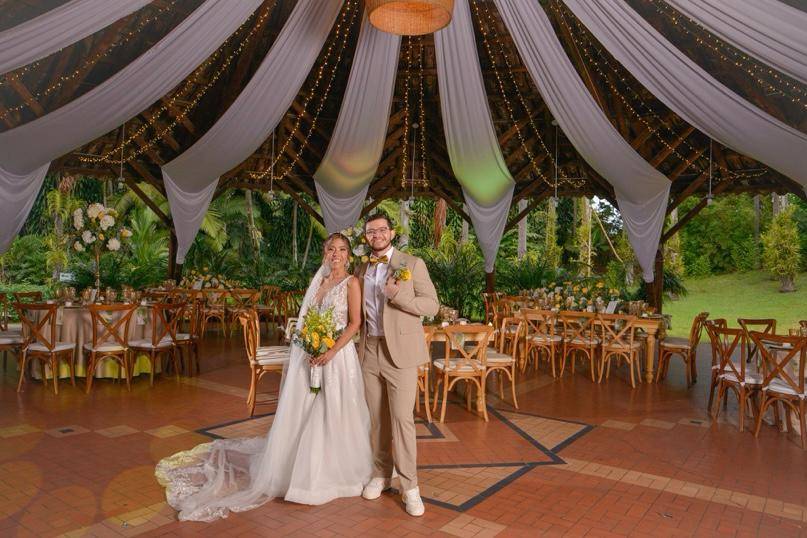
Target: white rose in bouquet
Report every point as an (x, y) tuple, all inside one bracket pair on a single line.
[(113, 244), (78, 246), (94, 210), (87, 237), (107, 221), (78, 219)]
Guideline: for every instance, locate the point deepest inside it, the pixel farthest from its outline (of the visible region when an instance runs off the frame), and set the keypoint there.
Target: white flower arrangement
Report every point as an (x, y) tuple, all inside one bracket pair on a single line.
[(106, 222), (88, 237), (93, 210), (78, 247), (113, 244), (78, 219)]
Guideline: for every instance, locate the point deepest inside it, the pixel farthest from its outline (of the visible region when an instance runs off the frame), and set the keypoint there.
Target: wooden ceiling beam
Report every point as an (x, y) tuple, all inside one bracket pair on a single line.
[(671, 147)]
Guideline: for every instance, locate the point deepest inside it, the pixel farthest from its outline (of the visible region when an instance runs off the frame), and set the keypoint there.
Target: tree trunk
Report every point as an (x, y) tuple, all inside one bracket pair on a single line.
[(403, 215), (294, 233), (308, 242), (439, 220), (522, 230), (757, 219), (787, 284)]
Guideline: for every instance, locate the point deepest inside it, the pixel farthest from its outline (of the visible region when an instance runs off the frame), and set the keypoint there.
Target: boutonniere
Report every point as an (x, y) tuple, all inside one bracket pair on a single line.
[(402, 274)]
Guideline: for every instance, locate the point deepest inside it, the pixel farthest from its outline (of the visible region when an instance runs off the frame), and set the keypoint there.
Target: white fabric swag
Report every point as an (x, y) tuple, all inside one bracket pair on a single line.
[(58, 28), (473, 147), (690, 91), (769, 30), (642, 191), (26, 149), (17, 196), (190, 179), (354, 151)]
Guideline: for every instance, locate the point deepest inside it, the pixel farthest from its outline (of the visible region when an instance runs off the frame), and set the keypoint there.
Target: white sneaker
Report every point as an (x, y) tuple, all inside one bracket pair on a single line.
[(413, 502), (374, 488)]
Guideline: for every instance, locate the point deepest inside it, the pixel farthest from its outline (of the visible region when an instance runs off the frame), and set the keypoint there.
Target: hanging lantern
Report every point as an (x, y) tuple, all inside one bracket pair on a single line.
[(410, 17)]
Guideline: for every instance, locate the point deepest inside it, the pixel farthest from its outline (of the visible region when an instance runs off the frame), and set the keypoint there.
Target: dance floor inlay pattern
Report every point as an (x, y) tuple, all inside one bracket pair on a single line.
[(577, 459)]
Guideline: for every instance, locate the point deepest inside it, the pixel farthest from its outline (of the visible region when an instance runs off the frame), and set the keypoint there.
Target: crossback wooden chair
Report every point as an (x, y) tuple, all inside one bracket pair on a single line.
[(282, 350), (470, 366), (504, 358), (803, 324), (540, 340), (783, 360), (5, 306), (215, 308), (267, 307), (708, 325), (110, 340), (162, 343), (686, 350), (490, 299), (767, 326), (579, 339), (39, 324), (618, 341), (10, 340), (189, 341), (240, 300), (259, 365), (28, 296), (424, 371), (734, 375)]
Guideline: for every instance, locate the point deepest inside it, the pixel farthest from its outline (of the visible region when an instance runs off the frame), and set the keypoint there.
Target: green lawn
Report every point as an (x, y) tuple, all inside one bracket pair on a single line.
[(750, 295)]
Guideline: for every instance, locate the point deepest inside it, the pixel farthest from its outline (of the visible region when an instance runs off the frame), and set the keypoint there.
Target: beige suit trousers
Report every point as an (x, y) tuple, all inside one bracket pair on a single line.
[(390, 393)]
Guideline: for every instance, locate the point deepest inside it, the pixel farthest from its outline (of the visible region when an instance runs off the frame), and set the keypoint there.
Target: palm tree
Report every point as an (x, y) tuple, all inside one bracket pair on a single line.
[(60, 204)]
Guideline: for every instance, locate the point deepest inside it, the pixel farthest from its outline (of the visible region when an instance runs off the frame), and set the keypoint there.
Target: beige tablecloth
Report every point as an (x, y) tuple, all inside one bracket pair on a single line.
[(74, 324)]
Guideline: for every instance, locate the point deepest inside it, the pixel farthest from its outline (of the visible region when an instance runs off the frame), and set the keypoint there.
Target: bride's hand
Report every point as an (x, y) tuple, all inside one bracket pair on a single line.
[(323, 359)]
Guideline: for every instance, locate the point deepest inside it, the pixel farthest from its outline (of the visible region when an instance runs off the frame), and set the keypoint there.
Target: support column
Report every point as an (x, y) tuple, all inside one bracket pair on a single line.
[(522, 230), (174, 268), (490, 281), (655, 289)]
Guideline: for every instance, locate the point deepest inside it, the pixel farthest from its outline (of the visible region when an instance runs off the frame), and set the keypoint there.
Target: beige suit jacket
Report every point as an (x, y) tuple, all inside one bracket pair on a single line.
[(403, 329)]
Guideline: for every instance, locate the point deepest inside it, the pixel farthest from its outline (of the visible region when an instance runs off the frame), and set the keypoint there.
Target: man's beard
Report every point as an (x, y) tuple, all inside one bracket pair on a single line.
[(381, 249)]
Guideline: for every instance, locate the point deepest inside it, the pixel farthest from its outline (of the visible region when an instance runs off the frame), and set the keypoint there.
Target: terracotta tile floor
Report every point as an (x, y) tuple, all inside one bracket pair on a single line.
[(575, 459)]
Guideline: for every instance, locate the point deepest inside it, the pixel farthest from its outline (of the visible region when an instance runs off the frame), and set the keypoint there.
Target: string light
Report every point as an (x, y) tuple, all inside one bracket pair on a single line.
[(342, 30), (195, 78), (121, 39), (406, 120), (652, 131), (739, 59), (422, 181), (422, 118)]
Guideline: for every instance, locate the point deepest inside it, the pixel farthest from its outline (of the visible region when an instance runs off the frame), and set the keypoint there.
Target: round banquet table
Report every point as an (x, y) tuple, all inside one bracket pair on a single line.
[(74, 324)]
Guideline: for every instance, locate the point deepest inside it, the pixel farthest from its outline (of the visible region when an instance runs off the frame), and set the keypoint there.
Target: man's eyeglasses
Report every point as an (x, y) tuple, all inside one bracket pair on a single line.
[(377, 231)]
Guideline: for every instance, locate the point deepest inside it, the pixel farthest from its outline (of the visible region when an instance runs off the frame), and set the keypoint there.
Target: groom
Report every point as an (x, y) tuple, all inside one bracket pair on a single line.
[(391, 348)]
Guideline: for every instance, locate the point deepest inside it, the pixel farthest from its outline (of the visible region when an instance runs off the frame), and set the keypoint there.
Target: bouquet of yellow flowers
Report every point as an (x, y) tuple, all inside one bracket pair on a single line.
[(317, 335)]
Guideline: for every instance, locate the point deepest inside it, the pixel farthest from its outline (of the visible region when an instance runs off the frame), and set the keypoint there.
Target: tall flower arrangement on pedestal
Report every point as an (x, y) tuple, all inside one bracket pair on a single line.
[(98, 231)]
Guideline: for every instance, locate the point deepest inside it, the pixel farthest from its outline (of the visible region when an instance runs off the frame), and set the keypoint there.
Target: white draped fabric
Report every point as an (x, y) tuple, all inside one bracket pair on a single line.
[(17, 196), (769, 30), (473, 148), (642, 191), (58, 28), (26, 149), (690, 91), (249, 120), (355, 148)]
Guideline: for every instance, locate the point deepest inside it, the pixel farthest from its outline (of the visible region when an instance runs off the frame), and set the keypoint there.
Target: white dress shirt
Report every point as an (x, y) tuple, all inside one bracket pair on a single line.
[(374, 280)]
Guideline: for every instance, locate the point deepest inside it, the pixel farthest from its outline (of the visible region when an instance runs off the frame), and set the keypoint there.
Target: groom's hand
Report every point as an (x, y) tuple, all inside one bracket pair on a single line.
[(391, 288)]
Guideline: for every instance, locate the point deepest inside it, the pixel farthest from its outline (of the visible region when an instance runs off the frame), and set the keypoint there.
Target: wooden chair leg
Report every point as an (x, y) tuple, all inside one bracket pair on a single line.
[(153, 367), (513, 385), (253, 392), (23, 361), (445, 399), (435, 396), (803, 423), (90, 374), (762, 408), (742, 398), (481, 399)]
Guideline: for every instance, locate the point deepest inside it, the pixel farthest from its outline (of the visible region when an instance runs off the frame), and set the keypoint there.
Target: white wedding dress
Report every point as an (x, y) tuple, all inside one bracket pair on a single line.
[(318, 447)]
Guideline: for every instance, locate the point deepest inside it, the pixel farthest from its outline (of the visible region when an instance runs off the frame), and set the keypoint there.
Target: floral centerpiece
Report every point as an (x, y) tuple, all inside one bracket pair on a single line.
[(205, 280), (317, 335), (589, 296), (98, 230)]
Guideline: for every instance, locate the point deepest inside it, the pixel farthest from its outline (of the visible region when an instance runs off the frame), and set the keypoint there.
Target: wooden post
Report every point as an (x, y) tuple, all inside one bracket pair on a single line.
[(174, 268), (490, 281), (655, 289)]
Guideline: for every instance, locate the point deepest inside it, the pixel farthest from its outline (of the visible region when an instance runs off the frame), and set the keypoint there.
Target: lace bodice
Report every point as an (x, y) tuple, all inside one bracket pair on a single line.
[(336, 298)]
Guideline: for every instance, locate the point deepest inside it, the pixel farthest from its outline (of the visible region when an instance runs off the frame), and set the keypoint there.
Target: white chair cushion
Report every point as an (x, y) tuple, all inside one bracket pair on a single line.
[(60, 346), (751, 378), (10, 340), (183, 336), (545, 338), (675, 345), (781, 387), (583, 341), (494, 357), (455, 365), (146, 344), (273, 349), (104, 348), (625, 346), (422, 368), (272, 361), (11, 333)]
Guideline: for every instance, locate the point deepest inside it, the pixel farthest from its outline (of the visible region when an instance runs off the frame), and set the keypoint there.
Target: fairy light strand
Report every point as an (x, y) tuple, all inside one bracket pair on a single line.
[(121, 39), (406, 119), (343, 30), (194, 79)]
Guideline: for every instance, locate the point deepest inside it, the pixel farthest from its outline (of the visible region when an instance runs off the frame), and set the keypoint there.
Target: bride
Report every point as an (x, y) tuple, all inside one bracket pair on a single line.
[(318, 448)]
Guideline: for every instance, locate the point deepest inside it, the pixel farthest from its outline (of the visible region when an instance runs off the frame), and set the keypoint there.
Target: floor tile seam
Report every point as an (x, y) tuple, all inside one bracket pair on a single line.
[(579, 466)]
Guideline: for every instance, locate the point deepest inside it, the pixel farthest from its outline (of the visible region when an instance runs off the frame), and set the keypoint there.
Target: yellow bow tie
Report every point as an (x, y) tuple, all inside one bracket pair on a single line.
[(380, 259)]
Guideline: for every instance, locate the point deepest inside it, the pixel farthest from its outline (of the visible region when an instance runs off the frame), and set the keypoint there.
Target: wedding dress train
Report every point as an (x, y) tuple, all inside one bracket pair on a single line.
[(318, 447)]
